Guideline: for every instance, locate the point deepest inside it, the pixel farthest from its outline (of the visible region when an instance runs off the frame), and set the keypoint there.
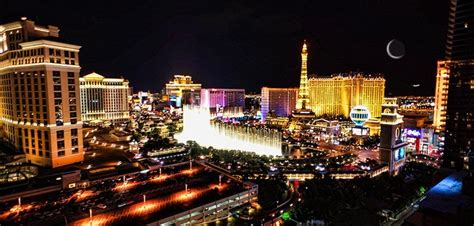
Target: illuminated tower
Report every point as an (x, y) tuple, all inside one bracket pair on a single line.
[(392, 147), (459, 130), (303, 94)]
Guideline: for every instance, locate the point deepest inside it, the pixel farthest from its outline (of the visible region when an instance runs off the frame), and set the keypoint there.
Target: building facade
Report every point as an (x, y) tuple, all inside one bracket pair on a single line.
[(182, 90), (441, 96), (39, 94), (279, 101), (336, 95), (223, 102), (459, 138), (104, 99)]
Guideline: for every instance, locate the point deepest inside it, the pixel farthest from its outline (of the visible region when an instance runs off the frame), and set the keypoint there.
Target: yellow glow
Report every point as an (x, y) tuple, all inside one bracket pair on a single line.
[(337, 95)]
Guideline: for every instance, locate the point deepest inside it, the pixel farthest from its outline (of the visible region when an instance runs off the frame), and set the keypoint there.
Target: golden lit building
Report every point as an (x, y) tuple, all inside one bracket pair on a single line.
[(337, 94), (441, 96), (184, 90), (39, 94), (104, 99)]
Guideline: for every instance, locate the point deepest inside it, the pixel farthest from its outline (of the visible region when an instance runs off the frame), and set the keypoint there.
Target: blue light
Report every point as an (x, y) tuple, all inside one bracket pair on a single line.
[(451, 185), (399, 154)]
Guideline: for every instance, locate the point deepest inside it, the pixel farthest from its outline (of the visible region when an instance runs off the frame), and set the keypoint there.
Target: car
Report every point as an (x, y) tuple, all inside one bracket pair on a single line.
[(101, 206), (124, 204)]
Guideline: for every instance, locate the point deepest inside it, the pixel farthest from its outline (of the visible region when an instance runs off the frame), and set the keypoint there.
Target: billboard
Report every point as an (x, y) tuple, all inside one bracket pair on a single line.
[(415, 133), (360, 131), (399, 154)]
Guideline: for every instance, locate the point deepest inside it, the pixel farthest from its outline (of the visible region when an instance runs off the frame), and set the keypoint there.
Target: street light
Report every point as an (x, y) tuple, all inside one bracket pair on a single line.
[(90, 216)]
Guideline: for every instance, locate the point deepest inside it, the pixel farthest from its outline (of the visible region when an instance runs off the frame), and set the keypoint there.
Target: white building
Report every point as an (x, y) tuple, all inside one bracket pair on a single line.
[(104, 99)]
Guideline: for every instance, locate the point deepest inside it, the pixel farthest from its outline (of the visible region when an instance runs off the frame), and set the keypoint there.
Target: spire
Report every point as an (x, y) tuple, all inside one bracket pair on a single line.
[(305, 49), (303, 94)]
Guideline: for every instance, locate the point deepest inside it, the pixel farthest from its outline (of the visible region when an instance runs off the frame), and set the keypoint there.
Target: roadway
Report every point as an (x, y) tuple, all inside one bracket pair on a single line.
[(105, 197)]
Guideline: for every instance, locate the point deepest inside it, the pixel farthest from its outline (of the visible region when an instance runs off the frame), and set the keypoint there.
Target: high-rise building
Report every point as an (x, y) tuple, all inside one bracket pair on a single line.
[(182, 90), (338, 94), (441, 96), (459, 44), (459, 131), (39, 97), (303, 94), (279, 101), (392, 147), (224, 102), (104, 99)]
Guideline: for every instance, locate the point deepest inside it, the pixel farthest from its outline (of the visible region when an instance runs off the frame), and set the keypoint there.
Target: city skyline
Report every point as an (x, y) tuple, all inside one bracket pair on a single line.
[(159, 45), (244, 113)]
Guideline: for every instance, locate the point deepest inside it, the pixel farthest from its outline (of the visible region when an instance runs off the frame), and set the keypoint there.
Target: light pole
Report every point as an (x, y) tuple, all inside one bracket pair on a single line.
[(19, 203), (90, 216), (144, 199), (220, 180), (186, 189), (191, 165)]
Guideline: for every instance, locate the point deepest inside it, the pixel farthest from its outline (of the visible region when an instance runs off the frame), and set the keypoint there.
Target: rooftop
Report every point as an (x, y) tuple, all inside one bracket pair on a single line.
[(447, 196)]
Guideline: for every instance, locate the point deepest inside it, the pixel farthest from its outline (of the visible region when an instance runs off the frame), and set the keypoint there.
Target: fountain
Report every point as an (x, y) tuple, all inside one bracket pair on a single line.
[(198, 126)]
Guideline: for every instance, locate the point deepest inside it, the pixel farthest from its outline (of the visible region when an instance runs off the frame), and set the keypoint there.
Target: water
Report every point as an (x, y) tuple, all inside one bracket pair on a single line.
[(197, 126)]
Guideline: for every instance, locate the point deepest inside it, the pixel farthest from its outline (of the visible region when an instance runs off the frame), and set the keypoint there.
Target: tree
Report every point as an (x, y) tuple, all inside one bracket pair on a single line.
[(172, 128), (136, 136)]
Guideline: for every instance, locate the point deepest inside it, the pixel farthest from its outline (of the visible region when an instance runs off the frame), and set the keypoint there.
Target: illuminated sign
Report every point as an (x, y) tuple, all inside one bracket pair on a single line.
[(413, 133), (399, 154), (360, 131), (359, 115)]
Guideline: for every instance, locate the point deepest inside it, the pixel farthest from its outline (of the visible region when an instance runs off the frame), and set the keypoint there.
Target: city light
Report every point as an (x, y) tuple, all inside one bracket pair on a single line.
[(271, 131), (198, 127)]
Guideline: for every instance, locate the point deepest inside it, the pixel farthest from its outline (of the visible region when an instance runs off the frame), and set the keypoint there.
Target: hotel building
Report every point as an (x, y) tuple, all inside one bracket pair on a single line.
[(39, 94), (336, 95), (459, 138), (441, 96), (279, 101), (224, 102), (182, 90), (104, 99)]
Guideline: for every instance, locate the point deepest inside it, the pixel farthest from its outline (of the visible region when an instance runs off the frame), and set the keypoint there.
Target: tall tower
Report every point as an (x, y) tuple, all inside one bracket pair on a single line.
[(459, 143), (303, 94), (392, 147)]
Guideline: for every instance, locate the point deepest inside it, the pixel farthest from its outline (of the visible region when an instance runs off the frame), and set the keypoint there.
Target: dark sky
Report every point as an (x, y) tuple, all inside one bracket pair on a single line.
[(247, 44)]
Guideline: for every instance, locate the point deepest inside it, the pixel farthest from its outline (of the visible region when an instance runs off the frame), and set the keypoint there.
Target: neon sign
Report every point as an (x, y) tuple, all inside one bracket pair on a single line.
[(413, 133)]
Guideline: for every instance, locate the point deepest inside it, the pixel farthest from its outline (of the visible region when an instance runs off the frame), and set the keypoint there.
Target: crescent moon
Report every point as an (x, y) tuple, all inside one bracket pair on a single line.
[(389, 53)]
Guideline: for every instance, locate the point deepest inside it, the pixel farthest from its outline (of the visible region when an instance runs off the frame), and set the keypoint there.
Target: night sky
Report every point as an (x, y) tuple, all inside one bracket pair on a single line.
[(247, 44)]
